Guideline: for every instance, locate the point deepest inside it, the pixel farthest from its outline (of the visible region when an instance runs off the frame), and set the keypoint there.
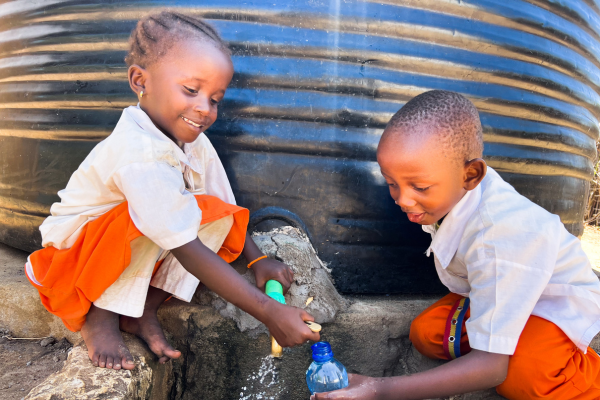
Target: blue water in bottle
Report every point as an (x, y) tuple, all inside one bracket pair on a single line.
[(325, 373)]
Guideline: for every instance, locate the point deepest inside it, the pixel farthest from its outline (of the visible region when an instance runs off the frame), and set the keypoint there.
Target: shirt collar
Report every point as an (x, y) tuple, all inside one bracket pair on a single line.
[(447, 238), (144, 121)]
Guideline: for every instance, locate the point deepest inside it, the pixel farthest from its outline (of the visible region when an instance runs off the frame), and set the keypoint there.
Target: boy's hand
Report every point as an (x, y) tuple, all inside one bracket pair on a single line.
[(267, 269), (359, 388), (287, 326)]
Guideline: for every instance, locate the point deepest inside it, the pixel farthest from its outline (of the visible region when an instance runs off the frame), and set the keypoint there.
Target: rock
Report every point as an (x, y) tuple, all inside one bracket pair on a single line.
[(47, 341), (80, 380), (312, 279)]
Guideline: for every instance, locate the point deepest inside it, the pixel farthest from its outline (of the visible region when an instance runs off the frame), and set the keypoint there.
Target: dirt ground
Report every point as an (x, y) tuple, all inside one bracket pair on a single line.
[(590, 242), (25, 363)]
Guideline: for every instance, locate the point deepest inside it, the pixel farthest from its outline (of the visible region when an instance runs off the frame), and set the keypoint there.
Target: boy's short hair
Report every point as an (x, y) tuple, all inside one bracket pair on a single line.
[(454, 119)]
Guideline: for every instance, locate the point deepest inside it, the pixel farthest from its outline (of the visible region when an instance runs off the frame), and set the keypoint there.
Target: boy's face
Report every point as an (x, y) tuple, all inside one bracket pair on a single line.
[(183, 88), (423, 179)]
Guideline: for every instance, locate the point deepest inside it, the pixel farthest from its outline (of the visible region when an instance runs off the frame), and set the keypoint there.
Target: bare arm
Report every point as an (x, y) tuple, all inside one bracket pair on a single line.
[(251, 250), (285, 323), (477, 370)]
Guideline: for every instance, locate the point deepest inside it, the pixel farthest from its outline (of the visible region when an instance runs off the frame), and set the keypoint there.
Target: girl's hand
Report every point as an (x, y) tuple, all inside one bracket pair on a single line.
[(287, 326), (359, 388), (268, 269)]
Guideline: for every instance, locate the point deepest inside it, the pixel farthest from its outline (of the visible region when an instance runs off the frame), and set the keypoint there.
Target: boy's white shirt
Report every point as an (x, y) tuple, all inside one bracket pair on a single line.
[(514, 259), (139, 164)]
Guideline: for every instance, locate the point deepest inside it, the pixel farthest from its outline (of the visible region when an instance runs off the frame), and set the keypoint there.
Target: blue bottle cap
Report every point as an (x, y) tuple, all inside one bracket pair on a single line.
[(321, 352)]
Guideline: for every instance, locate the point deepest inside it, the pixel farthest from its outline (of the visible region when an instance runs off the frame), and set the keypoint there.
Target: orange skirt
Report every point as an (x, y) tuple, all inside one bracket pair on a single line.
[(546, 363), (72, 279)]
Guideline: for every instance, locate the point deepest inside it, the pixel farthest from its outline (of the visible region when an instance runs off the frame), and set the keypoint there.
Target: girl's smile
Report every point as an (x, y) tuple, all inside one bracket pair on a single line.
[(192, 123)]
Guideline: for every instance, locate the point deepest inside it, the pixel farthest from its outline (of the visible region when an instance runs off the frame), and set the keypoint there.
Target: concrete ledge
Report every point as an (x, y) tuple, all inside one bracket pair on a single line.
[(218, 362)]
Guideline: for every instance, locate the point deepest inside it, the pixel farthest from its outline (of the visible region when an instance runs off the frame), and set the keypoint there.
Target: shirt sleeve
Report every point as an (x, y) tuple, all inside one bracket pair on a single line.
[(217, 183), (159, 205), (507, 272)]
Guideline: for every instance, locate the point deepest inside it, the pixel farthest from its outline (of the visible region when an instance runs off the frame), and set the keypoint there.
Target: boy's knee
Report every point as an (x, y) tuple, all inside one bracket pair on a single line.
[(420, 335)]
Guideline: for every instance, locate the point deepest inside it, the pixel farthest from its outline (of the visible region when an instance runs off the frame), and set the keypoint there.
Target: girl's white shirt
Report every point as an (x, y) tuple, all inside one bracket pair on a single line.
[(137, 163), (514, 259)]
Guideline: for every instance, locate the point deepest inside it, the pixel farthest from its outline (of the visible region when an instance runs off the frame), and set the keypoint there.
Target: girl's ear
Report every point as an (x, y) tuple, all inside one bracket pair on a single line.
[(137, 78), (475, 171)]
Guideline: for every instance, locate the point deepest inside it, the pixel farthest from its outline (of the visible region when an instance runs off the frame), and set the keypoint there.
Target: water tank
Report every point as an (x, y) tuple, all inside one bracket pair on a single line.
[(315, 83)]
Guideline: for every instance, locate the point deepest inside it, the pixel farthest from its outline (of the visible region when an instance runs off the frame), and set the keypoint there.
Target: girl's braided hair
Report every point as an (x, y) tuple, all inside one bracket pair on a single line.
[(156, 33)]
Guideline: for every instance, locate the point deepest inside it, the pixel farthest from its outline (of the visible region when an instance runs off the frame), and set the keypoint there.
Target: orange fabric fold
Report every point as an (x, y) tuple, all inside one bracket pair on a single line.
[(72, 279), (427, 330), (546, 363)]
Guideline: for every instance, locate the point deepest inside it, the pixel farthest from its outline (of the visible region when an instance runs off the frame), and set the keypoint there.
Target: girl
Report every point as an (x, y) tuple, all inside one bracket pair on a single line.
[(143, 216)]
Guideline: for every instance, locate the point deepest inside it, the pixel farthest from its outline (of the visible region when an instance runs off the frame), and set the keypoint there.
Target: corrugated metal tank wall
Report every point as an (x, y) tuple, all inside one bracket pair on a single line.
[(316, 81)]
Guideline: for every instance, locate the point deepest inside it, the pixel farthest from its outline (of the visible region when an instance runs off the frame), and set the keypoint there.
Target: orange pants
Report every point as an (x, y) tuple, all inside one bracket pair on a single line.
[(72, 279), (546, 363)]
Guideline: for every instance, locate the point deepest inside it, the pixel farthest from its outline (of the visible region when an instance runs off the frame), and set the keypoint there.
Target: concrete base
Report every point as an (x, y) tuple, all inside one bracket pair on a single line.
[(219, 362)]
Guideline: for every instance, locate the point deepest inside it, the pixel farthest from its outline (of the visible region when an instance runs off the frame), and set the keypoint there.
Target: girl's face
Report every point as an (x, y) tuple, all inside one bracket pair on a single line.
[(183, 88)]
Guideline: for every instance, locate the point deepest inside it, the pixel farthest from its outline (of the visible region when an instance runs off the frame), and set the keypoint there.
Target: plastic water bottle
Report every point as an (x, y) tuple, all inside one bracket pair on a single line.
[(326, 373)]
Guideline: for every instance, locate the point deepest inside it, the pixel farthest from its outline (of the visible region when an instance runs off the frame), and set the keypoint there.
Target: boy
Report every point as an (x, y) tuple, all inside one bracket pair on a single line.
[(525, 303)]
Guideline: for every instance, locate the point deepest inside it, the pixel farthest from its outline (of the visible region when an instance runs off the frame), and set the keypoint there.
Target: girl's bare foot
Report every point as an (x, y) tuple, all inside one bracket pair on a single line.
[(103, 339), (148, 328)]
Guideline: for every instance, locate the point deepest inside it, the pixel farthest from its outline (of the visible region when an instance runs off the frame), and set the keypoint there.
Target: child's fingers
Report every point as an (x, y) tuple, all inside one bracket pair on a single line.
[(286, 283), (260, 282), (352, 377), (314, 336), (306, 316), (341, 394)]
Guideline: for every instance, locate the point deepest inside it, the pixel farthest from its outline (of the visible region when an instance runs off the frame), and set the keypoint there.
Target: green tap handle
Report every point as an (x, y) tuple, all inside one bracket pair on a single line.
[(274, 290)]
